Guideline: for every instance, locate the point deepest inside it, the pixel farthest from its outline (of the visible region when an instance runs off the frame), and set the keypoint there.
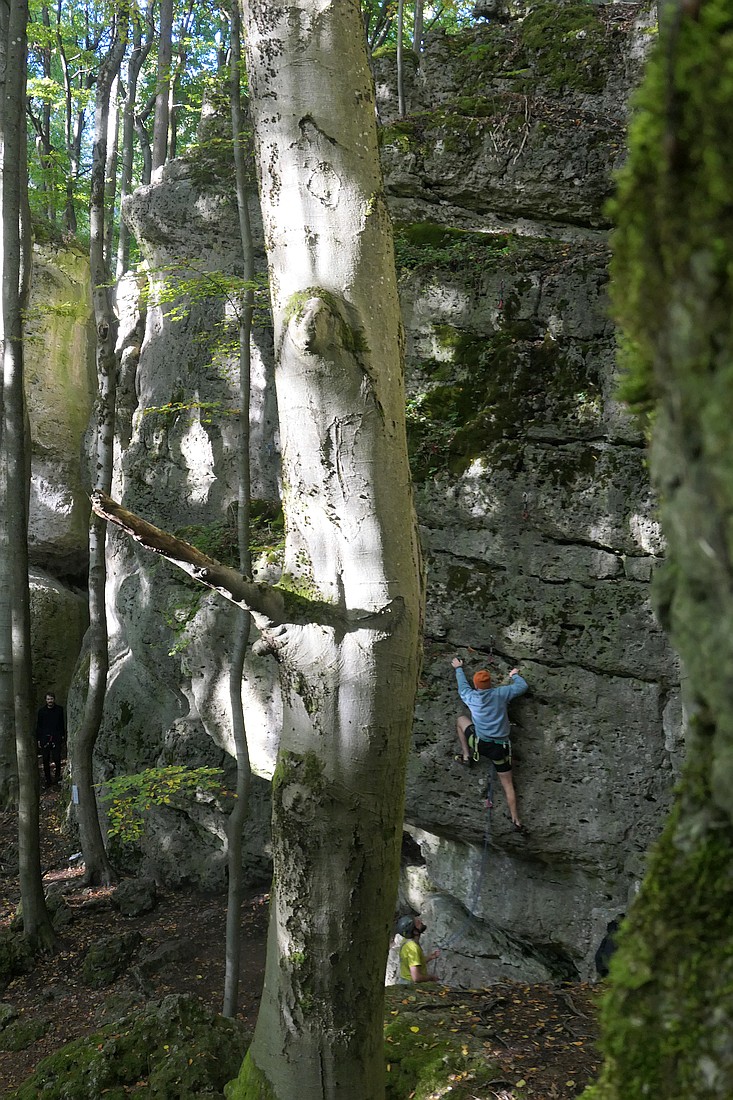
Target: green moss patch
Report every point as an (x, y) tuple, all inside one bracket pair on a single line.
[(501, 386), (425, 1057), (565, 44), (427, 247), (173, 1049)]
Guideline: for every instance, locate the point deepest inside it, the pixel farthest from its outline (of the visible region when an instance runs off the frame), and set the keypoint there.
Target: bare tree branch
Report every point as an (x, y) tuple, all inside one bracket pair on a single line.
[(266, 603), (270, 606)]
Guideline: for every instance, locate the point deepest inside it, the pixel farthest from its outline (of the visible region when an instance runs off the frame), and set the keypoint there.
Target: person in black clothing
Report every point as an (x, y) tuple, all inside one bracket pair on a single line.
[(607, 946), (50, 734)]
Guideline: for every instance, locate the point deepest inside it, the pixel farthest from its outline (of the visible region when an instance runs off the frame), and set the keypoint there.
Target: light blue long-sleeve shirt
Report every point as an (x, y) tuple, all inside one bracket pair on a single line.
[(488, 707)]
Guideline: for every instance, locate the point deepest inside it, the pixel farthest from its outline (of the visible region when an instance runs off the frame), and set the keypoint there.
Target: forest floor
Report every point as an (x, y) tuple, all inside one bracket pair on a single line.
[(506, 1042)]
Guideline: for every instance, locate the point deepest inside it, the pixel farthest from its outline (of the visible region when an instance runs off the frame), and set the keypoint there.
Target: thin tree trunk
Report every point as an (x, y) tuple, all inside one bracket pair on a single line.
[(400, 59), (110, 173), (98, 869), (418, 28), (146, 149), (174, 107), (240, 811), (36, 924), (162, 105), (139, 53), (8, 757)]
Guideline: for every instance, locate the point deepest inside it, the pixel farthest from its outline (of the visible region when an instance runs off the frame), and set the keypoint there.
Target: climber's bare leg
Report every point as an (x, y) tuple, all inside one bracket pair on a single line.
[(510, 794), (462, 724)]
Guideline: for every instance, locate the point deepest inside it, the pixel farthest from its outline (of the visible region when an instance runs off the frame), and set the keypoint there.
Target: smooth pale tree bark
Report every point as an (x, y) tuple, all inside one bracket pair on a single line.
[(240, 810), (668, 1018), (351, 542), (98, 870), (110, 172), (36, 924), (162, 102)]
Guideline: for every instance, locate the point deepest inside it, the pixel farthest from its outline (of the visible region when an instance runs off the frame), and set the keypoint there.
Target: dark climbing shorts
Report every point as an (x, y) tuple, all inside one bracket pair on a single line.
[(498, 752)]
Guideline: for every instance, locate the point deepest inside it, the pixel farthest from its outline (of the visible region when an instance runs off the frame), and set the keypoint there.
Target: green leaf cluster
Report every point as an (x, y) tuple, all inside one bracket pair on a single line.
[(129, 798)]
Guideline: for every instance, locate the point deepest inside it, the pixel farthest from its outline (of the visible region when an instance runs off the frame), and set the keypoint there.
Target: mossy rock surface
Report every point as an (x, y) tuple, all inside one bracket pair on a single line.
[(108, 958), (175, 1050), (22, 1033), (15, 956), (425, 1057)]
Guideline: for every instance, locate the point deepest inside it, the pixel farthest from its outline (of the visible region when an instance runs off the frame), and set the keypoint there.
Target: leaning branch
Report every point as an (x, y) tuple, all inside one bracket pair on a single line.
[(270, 606), (265, 602)]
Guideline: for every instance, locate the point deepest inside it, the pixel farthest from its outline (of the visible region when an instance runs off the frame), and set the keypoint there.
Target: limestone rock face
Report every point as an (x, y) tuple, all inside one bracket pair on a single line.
[(539, 528), (59, 618), (60, 389)]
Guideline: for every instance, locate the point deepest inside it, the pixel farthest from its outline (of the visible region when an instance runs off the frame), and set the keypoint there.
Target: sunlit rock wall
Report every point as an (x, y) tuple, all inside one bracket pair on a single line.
[(538, 525), (60, 388)]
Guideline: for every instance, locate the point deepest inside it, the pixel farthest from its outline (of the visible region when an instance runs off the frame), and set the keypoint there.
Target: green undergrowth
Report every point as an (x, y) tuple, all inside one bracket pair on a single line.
[(128, 798), (218, 540), (427, 247)]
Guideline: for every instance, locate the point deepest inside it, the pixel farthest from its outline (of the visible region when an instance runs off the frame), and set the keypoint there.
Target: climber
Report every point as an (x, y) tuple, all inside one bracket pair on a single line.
[(412, 957), (489, 726)]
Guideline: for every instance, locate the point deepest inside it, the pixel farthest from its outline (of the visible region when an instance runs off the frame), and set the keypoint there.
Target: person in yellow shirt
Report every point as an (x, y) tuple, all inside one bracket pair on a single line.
[(413, 962)]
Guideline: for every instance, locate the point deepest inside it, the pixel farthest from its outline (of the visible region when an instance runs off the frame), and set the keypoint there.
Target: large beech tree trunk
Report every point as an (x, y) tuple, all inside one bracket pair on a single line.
[(351, 541), (668, 1019)]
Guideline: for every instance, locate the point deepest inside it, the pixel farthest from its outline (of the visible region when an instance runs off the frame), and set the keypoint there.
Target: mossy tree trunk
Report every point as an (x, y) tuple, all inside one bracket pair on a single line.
[(348, 685), (668, 1016)]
